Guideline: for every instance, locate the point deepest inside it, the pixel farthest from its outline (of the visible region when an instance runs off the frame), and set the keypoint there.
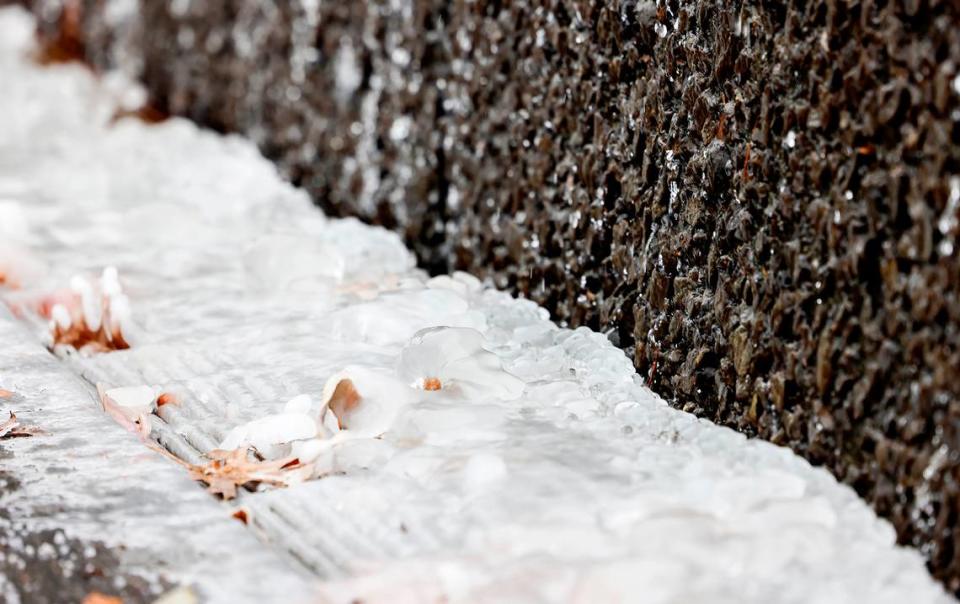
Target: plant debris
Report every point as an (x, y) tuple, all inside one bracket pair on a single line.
[(91, 316), (95, 597), (12, 428), (64, 42), (167, 398), (129, 407), (146, 113), (228, 470)]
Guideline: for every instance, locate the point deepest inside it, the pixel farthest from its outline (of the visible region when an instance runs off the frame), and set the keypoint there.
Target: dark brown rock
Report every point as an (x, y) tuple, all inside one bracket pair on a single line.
[(758, 201)]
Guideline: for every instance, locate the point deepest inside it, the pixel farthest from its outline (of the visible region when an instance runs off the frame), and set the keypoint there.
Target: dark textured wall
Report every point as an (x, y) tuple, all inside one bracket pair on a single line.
[(758, 200)]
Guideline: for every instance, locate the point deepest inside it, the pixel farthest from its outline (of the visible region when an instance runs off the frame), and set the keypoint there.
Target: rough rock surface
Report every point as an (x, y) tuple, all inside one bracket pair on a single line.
[(759, 200)]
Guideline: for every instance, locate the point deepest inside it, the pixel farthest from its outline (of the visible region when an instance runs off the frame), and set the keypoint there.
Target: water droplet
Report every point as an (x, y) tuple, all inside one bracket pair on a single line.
[(790, 140)]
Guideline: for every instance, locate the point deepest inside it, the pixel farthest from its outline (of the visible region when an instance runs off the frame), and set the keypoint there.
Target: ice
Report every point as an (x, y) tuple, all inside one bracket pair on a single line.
[(272, 430), (493, 456), (286, 262), (454, 360), (365, 401), (132, 401), (394, 317)]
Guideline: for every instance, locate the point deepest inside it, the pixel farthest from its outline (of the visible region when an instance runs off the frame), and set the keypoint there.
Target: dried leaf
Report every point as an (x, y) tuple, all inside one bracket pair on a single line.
[(228, 470), (343, 400), (147, 113), (9, 425), (131, 401), (80, 337), (364, 401), (67, 44), (95, 597), (132, 418), (91, 315), (166, 398), (12, 428)]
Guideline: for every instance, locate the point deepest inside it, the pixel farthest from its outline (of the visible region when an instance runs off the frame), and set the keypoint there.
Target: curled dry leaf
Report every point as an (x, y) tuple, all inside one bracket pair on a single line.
[(343, 400), (91, 315), (242, 515), (167, 398), (228, 470), (95, 597), (9, 425), (364, 402), (129, 406), (67, 43), (131, 401), (146, 113), (11, 428)]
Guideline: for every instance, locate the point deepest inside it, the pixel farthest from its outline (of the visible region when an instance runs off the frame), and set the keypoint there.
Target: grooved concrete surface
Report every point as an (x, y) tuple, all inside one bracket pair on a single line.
[(580, 486), (124, 511)]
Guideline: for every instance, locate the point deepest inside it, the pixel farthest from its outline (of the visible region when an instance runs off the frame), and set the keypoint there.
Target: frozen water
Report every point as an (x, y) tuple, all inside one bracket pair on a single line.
[(501, 459)]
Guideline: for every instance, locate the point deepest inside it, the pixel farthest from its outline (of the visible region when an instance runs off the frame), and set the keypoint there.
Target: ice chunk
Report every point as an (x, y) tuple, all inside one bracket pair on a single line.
[(482, 470), (290, 262), (454, 360), (365, 402), (131, 401), (395, 317), (271, 430)]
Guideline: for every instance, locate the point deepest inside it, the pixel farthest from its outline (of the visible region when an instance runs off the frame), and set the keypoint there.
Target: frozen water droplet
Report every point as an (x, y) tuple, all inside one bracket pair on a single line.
[(790, 140)]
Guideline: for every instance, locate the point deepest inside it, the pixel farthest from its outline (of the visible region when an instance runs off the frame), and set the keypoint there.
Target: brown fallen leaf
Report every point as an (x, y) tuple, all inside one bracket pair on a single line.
[(95, 597), (241, 515), (228, 470), (166, 398), (12, 428), (147, 113), (67, 44), (138, 423), (64, 308), (78, 334), (342, 400)]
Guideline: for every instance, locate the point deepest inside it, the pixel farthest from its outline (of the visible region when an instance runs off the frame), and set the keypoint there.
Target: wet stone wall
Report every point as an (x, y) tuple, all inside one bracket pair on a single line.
[(759, 201)]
